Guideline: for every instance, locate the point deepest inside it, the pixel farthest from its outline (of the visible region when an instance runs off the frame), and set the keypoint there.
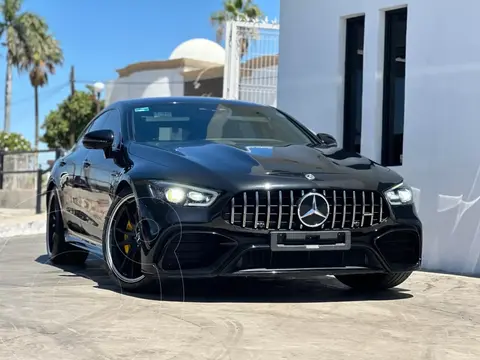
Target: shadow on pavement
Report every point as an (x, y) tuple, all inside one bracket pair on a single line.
[(321, 289)]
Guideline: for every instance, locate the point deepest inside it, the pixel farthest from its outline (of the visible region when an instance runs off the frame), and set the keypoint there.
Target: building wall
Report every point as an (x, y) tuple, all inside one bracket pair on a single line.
[(208, 87), (442, 92), (156, 83)]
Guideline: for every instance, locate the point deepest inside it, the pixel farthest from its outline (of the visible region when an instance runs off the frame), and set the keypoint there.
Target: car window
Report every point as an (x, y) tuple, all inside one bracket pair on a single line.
[(113, 122), (92, 125), (167, 122), (98, 124)]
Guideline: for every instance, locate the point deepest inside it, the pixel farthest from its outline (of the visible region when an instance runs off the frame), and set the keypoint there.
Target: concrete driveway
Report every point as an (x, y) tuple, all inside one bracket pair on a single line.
[(47, 313)]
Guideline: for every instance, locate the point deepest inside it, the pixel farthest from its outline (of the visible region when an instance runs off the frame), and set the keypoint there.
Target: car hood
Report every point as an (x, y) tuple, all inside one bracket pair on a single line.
[(289, 165)]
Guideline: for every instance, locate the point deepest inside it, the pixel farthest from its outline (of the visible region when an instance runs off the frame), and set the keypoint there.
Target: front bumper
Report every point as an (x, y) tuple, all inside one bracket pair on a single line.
[(204, 245)]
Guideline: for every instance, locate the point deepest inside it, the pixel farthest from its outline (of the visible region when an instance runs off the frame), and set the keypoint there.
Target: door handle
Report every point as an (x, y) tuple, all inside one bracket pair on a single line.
[(63, 163), (86, 164)]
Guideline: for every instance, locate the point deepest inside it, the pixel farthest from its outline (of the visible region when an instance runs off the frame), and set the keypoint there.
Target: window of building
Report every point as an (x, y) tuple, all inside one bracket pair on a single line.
[(352, 112), (394, 86)]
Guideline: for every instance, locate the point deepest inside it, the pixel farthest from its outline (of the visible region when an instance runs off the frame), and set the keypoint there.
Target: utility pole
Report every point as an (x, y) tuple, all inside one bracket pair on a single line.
[(72, 80), (72, 92)]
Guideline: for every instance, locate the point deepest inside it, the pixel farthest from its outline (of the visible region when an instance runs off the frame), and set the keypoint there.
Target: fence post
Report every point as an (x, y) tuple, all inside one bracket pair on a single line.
[(39, 191), (2, 163)]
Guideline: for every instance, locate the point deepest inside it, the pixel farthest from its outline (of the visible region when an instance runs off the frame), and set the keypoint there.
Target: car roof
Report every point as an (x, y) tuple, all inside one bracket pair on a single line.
[(179, 99)]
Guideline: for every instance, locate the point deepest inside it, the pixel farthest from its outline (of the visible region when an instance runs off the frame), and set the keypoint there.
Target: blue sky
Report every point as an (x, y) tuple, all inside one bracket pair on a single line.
[(99, 36)]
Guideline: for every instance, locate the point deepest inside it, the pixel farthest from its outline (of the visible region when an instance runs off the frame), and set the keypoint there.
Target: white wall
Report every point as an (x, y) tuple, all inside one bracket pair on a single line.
[(442, 107), (156, 83)]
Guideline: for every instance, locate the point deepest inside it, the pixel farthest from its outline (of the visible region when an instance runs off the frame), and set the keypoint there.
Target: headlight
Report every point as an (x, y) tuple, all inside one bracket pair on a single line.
[(399, 195), (184, 195)]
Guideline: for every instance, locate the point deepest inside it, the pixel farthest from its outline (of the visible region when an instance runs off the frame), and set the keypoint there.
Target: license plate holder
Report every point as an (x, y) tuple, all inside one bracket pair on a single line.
[(310, 240)]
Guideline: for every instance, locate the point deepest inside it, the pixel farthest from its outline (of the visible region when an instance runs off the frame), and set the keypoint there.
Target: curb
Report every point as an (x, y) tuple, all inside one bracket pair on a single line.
[(26, 228)]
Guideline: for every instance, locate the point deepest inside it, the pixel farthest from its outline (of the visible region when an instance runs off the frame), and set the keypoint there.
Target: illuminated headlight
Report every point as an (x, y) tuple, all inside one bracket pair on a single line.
[(399, 195), (183, 195)]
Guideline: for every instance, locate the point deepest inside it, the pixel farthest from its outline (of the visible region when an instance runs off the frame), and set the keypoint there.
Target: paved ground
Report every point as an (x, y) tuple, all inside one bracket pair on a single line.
[(15, 222), (48, 313)]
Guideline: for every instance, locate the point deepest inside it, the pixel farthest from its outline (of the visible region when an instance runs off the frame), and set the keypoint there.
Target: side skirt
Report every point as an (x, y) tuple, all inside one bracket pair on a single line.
[(82, 242)]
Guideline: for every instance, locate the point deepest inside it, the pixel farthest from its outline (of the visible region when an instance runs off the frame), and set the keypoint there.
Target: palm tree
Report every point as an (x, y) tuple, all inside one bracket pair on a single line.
[(48, 55), (243, 10), (20, 32)]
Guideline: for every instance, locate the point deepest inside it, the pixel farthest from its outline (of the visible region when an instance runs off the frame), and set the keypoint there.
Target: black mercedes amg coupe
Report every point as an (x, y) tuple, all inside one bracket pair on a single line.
[(206, 187)]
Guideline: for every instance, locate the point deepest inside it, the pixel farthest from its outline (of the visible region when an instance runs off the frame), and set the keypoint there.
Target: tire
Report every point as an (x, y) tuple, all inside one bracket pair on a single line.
[(59, 251), (111, 247), (374, 282)]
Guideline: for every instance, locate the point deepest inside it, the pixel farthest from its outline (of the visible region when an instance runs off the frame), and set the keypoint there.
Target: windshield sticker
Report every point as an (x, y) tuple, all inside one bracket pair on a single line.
[(142, 109)]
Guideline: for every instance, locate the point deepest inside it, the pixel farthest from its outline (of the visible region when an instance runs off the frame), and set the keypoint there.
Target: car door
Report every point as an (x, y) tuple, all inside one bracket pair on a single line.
[(101, 173), (68, 166), (83, 190)]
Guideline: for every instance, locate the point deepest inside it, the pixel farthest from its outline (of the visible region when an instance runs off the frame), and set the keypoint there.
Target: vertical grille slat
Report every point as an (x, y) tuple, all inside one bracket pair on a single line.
[(292, 207), (277, 209), (334, 208), (381, 210), (232, 211), (363, 208), (269, 205), (280, 208), (324, 194), (303, 194), (244, 220), (354, 209), (373, 209), (257, 209)]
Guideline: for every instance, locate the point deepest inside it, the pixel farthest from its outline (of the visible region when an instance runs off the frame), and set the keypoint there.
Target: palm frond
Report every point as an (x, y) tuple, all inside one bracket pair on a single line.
[(9, 9), (33, 48)]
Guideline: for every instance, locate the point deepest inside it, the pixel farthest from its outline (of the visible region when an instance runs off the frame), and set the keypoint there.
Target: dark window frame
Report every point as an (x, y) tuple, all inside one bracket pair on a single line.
[(391, 69), (353, 61)]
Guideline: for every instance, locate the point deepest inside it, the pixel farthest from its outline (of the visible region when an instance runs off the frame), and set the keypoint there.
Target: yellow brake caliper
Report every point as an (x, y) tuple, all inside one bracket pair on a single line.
[(126, 247)]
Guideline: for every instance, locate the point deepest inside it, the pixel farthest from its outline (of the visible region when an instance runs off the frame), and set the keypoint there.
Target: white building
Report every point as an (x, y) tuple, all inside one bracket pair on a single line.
[(166, 77), (408, 73), (195, 67)]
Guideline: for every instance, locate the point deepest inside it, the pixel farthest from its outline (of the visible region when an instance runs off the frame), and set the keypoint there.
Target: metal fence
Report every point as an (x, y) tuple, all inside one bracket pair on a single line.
[(251, 65), (19, 170)]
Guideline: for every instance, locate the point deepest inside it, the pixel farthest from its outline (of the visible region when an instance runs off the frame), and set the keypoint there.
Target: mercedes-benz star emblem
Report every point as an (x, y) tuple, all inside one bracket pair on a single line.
[(313, 209), (310, 176)]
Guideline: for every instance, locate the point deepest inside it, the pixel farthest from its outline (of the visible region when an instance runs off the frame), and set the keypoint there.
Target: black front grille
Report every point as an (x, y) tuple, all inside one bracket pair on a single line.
[(277, 210)]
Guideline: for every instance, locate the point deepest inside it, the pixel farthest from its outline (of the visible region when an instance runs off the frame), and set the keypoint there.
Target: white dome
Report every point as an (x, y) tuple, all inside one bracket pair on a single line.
[(200, 49)]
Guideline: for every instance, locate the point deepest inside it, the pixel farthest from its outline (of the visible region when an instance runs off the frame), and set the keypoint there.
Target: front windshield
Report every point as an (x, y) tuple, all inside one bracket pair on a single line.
[(228, 123)]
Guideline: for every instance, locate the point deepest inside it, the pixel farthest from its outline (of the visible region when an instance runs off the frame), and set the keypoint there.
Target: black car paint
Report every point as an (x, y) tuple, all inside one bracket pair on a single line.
[(87, 181)]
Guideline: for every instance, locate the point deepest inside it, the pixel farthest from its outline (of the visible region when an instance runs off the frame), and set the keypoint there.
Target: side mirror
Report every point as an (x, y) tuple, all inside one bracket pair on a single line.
[(327, 139), (98, 139)]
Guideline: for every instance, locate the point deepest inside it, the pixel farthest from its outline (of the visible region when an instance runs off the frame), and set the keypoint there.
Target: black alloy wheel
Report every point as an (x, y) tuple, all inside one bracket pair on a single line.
[(58, 250), (122, 244)]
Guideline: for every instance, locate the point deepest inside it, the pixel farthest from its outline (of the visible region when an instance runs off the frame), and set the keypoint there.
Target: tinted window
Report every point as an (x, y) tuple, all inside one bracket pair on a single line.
[(93, 125), (99, 122), (224, 122), (112, 122)]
